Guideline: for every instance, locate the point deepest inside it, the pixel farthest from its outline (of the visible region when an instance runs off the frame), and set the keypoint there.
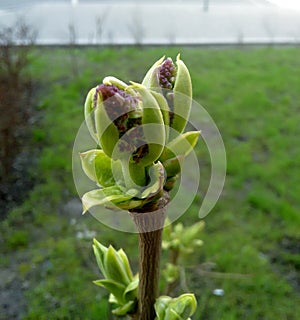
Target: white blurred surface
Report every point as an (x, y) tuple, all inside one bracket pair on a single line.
[(158, 22)]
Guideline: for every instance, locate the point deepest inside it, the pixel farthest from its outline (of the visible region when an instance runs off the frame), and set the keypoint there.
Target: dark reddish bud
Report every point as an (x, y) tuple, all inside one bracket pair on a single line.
[(167, 73)]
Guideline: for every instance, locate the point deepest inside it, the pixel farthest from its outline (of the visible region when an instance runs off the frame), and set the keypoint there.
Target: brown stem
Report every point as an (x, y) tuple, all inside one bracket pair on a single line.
[(150, 225)]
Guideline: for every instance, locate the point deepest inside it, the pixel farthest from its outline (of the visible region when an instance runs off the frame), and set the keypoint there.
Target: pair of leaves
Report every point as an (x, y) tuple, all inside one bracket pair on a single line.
[(180, 308), (113, 195), (108, 174)]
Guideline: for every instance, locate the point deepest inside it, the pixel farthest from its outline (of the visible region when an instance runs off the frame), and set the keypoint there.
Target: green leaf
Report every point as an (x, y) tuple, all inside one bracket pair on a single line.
[(110, 80), (98, 167), (126, 264), (114, 267), (185, 305), (172, 315), (130, 292), (180, 308), (180, 146), (113, 287), (133, 173), (161, 305), (182, 97), (172, 166), (107, 196), (130, 204), (112, 299), (164, 107), (89, 113), (88, 163), (150, 80), (100, 251), (107, 132), (153, 126), (129, 307), (157, 179)]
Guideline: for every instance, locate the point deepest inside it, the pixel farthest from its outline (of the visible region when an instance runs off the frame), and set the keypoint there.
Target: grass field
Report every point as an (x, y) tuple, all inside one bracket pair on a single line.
[(251, 239)]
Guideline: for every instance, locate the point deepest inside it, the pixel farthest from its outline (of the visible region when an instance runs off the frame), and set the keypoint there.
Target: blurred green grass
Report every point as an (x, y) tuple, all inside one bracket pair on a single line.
[(252, 235)]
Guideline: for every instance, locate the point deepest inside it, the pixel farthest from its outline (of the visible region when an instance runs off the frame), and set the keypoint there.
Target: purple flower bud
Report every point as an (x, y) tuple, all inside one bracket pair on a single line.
[(118, 104), (167, 73)]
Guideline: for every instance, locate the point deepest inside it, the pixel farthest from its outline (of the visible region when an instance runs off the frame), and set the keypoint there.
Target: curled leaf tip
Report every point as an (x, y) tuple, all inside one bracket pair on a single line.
[(137, 85), (110, 80)]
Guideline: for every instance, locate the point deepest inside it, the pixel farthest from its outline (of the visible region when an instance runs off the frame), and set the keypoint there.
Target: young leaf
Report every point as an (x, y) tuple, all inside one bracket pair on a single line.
[(100, 251), (98, 167), (107, 132), (130, 204), (180, 146), (164, 107), (130, 292), (172, 166), (153, 125), (110, 80), (112, 299), (161, 305), (172, 315), (185, 305), (106, 196), (182, 97), (157, 177), (126, 264), (114, 267), (113, 287), (129, 307), (151, 79), (89, 113), (180, 308)]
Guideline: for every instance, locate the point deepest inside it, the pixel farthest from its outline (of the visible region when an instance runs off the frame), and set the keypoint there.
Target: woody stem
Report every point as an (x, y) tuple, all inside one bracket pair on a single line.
[(150, 227)]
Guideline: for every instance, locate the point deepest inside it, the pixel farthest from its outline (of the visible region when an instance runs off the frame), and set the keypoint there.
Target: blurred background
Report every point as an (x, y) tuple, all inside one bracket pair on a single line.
[(157, 22), (244, 59)]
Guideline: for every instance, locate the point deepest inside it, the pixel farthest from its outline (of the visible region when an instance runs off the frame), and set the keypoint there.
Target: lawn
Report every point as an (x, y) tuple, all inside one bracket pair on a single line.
[(251, 238)]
